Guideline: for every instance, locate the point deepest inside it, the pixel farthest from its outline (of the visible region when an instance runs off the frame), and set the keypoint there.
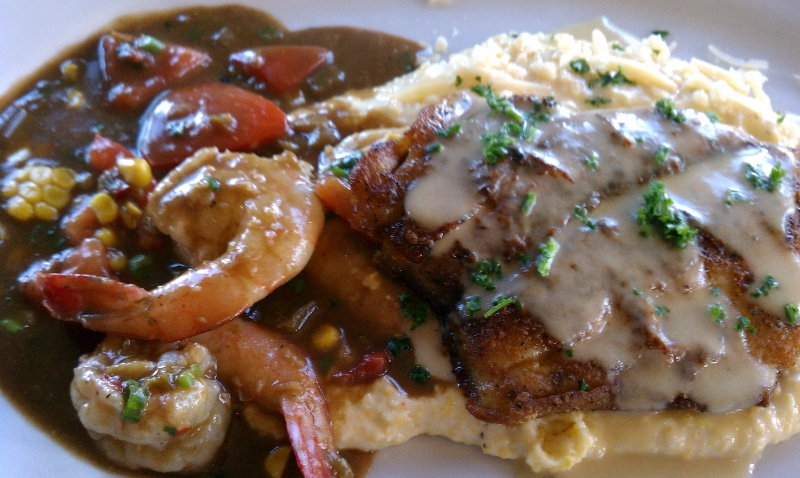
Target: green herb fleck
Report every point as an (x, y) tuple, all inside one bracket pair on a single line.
[(580, 66), (662, 153), (759, 179), (434, 148), (418, 373), (569, 353), (528, 203), (611, 78), (171, 431), (399, 344), (474, 304), (713, 117), (661, 311), (666, 107), (213, 183), (715, 291), (459, 80), (185, 379), (582, 215), (176, 129), (616, 46), (140, 266), (343, 167), (496, 145), (597, 100), (583, 386), (732, 196), (413, 309), (639, 293), (498, 303), (11, 325), (135, 396), (659, 211), (483, 270), (297, 284), (449, 132), (781, 116), (499, 104), (743, 323), (717, 312), (547, 253), (148, 43), (768, 284), (269, 33), (324, 363), (792, 313), (661, 33), (592, 161)]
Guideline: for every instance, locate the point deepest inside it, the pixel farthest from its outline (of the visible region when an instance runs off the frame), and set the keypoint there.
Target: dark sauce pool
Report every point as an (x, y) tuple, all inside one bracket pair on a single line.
[(36, 361)]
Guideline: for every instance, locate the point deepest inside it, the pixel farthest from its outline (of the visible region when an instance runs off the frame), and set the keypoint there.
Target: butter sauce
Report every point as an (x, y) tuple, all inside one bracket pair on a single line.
[(610, 289)]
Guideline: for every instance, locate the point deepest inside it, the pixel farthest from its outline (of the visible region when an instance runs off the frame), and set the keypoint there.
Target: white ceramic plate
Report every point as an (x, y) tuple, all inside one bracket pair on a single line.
[(35, 30)]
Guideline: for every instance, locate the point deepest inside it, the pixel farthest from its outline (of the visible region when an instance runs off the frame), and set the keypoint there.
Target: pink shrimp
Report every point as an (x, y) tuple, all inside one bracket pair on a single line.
[(247, 223), (275, 374)]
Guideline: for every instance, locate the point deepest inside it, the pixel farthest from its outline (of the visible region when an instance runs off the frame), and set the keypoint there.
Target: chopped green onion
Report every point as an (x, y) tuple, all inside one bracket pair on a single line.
[(171, 431), (135, 398), (434, 148), (499, 104), (661, 154), (148, 43), (582, 215), (583, 386), (419, 373), (733, 195), (743, 323), (639, 293), (527, 205), (483, 270), (661, 311), (781, 116), (449, 132), (659, 211), (547, 253), (713, 117), (196, 370), (185, 379), (717, 312), (343, 167), (495, 145), (768, 284), (792, 313), (597, 100), (613, 78), (459, 80), (11, 325), (499, 303)]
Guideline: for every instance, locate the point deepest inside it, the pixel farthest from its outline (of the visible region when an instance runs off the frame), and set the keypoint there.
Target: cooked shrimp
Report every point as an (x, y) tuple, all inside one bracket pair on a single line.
[(184, 420), (275, 374), (247, 223)]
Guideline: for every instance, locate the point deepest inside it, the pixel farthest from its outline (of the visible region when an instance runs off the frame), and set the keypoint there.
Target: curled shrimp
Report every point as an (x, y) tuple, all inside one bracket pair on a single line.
[(247, 223), (275, 374)]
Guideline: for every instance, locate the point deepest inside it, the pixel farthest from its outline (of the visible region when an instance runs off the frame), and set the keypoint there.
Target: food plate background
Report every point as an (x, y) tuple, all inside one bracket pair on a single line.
[(33, 31)]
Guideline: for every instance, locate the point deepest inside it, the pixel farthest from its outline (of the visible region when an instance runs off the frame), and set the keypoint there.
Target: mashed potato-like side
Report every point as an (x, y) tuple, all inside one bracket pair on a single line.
[(539, 64)]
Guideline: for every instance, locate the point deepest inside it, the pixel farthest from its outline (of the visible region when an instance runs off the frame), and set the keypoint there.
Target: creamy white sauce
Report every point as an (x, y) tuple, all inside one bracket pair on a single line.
[(609, 289)]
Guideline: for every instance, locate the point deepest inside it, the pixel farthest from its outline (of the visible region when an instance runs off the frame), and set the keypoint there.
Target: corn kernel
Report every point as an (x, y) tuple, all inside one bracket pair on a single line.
[(104, 207), (19, 208), (20, 175), (75, 99), (325, 337), (9, 189), (45, 212), (64, 178), (70, 70), (130, 215), (117, 260), (55, 196), (276, 461), (135, 171), (29, 192), (106, 236), (41, 175)]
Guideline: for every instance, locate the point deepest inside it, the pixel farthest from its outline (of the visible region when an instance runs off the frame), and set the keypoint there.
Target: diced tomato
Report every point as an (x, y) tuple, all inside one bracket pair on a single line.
[(204, 115), (373, 365), (136, 69), (103, 153), (281, 67)]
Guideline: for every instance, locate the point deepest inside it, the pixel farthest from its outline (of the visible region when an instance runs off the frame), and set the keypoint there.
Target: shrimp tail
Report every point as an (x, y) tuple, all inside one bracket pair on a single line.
[(312, 458), (71, 297)]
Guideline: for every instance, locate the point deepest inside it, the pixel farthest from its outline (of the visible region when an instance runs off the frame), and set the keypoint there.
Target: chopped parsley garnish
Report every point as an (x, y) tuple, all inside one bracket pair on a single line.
[(662, 153), (639, 293), (547, 253), (792, 313), (583, 386), (185, 379), (171, 431), (483, 272), (717, 312), (713, 117), (732, 196), (661, 33), (715, 291), (499, 104), (541, 110), (759, 179), (495, 145), (459, 80), (528, 203), (449, 132), (659, 211), (616, 46), (661, 311), (569, 353), (135, 396), (498, 303), (597, 100), (613, 78), (582, 215), (474, 304), (343, 167), (413, 309), (418, 373), (781, 116), (580, 66), (11, 325), (666, 107), (768, 284), (743, 323), (213, 183), (434, 148), (591, 161), (399, 344)]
